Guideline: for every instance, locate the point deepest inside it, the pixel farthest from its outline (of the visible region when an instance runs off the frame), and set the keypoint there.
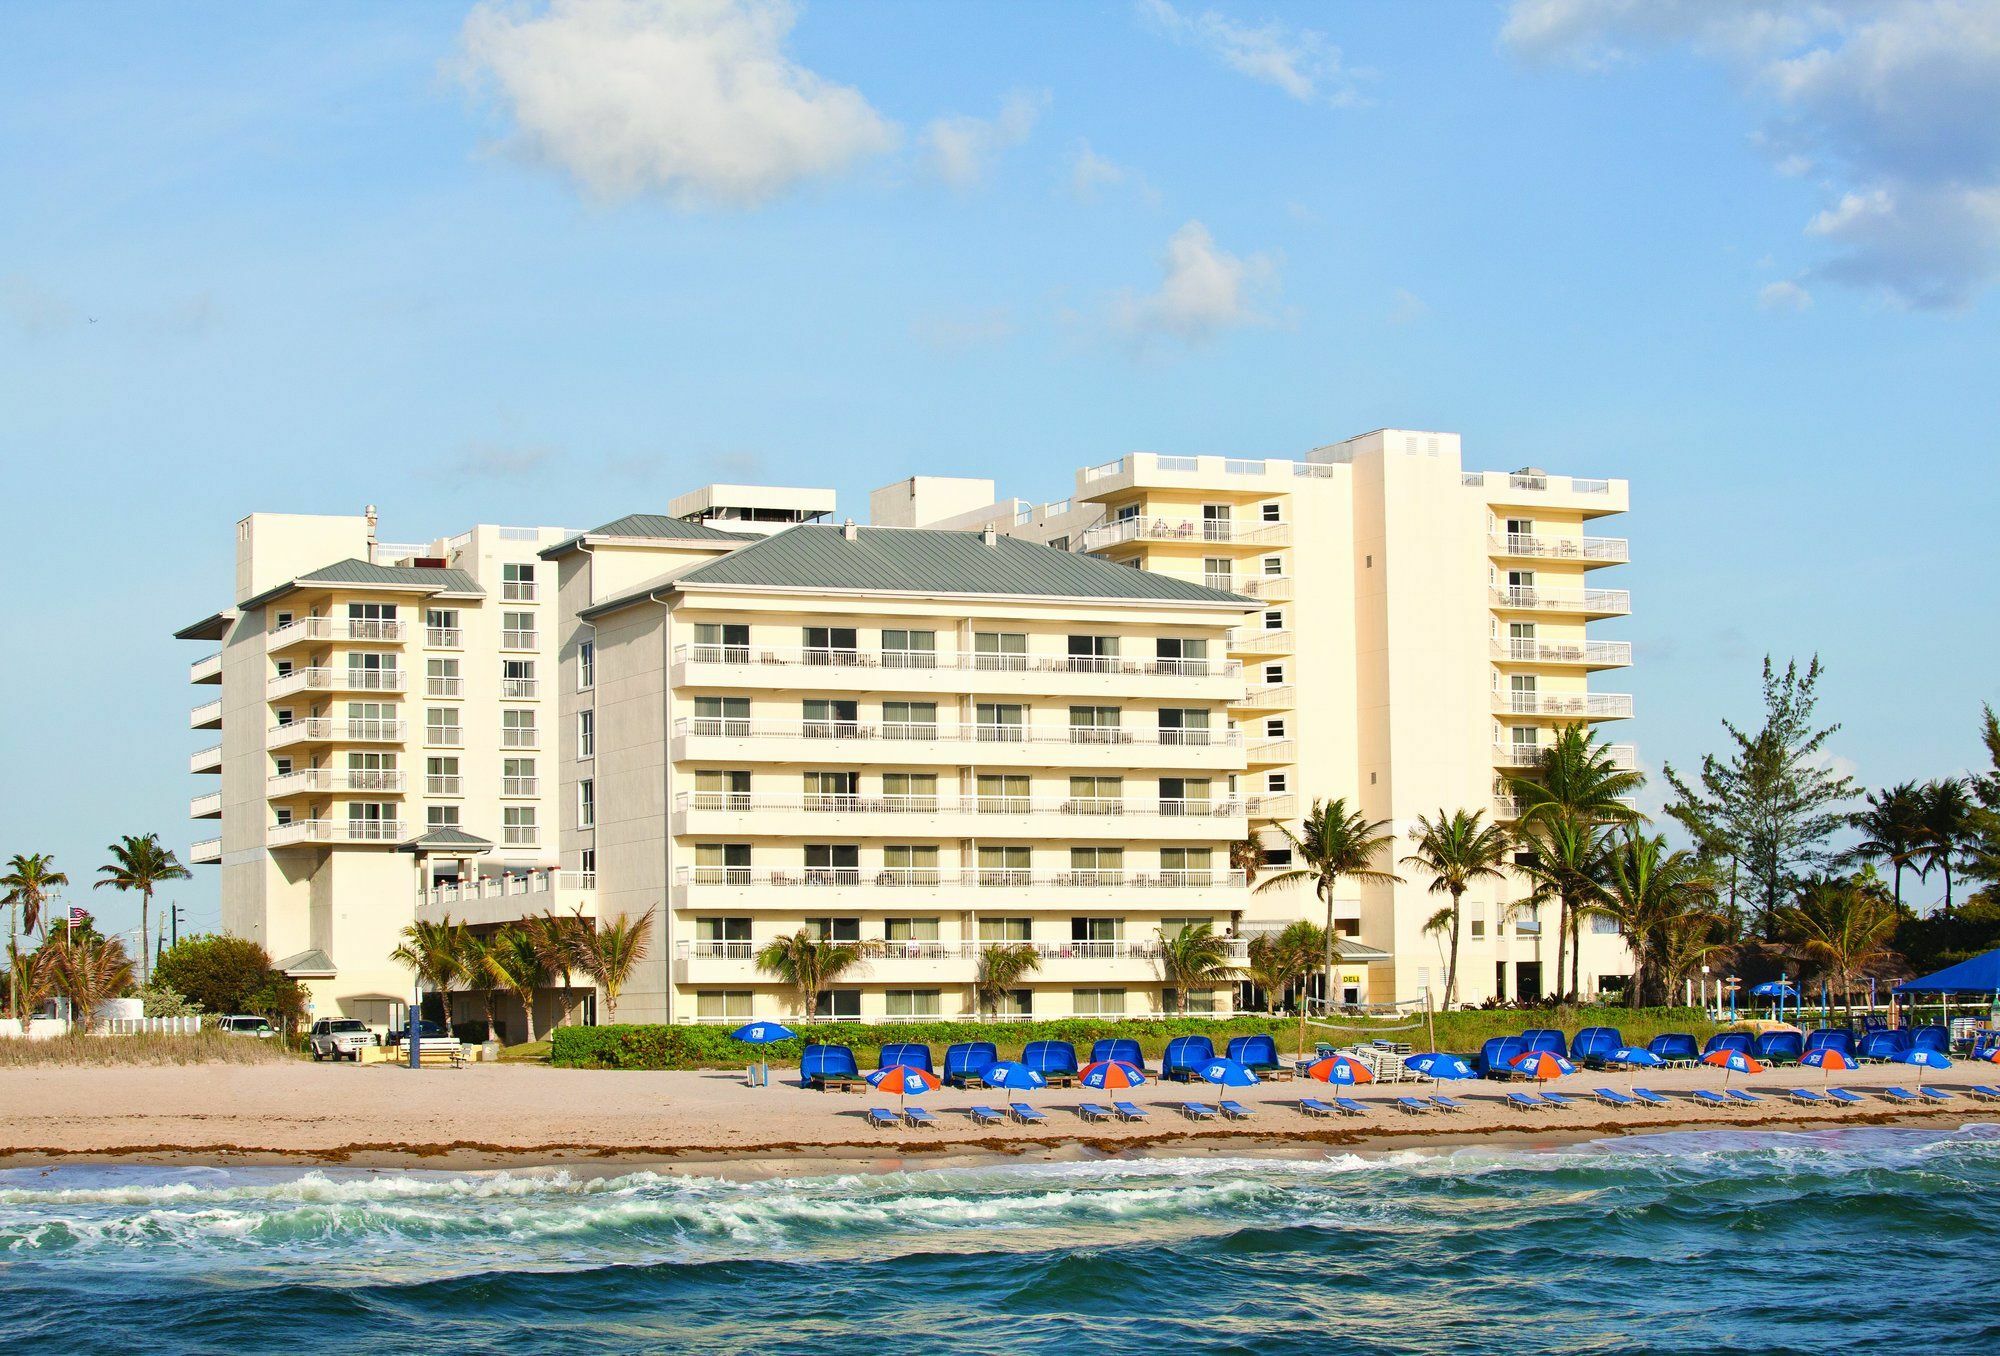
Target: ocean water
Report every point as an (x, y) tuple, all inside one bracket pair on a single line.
[(1706, 1242)]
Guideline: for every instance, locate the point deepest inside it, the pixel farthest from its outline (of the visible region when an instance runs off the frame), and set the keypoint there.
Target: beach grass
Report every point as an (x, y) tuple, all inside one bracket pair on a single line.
[(208, 1047)]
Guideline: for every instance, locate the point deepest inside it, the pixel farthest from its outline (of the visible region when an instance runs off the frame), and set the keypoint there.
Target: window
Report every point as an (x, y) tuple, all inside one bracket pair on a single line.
[(831, 645), (722, 790), (372, 720), (833, 864), (517, 825), (830, 719), (1184, 795), (1096, 936), (1183, 725), (441, 777), (1098, 1002), (1093, 654), (833, 930), (1012, 1003), (517, 729), (910, 929), (723, 1007), (1177, 654), (1097, 866), (1005, 929), (283, 816), (831, 790), (517, 630), (1274, 674), (1274, 565), (1003, 866), (1274, 620), (586, 666), (587, 863), (441, 816), (372, 621), (1218, 573), (517, 583), (911, 1002), (722, 937), (909, 649), (441, 726), (1095, 725), (712, 716), (371, 821), (586, 804), (586, 732), (1185, 866), (441, 678), (370, 671), (372, 772), (1527, 920), (1274, 728), (1277, 783), (1003, 794), (840, 1005), (1215, 522), (1096, 796), (1276, 858), (910, 866), (716, 643), (281, 767), (517, 679), (1002, 724), (517, 777), (1347, 927), (1273, 512), (910, 790), (1000, 650), (1126, 513), (722, 864), (284, 620), (909, 720), (284, 715), (1059, 543), (441, 628), (1604, 927)]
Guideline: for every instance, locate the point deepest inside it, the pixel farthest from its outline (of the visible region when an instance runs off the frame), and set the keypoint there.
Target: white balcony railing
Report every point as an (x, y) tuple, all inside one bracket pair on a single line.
[(518, 591), (334, 679), (512, 638), (1271, 751), (764, 655), (1599, 602), (1271, 588), (207, 669), (325, 779), (206, 760), (333, 628), (519, 786), (207, 850), (520, 737), (1586, 705), (444, 685), (520, 688), (1279, 806), (985, 878), (444, 784), (444, 637), (207, 716), (1593, 653), (520, 835), (207, 806), (1259, 640), (537, 882), (1625, 757), (722, 727), (1604, 550), (1186, 530), (723, 802), (896, 948), (336, 831), (336, 730), (1270, 697)]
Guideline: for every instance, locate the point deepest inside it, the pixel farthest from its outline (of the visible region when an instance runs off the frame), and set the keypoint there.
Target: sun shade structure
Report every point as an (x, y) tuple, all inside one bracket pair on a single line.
[(1439, 1064), (1980, 975), (1227, 1073), (1008, 1073), (1110, 1075), (1340, 1069), (1541, 1065)]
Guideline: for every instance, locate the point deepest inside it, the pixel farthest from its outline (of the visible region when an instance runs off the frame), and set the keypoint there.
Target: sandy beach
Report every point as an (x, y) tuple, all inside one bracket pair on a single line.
[(518, 1115)]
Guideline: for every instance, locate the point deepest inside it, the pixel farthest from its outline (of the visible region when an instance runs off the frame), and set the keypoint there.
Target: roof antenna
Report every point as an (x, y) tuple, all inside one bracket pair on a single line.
[(369, 514)]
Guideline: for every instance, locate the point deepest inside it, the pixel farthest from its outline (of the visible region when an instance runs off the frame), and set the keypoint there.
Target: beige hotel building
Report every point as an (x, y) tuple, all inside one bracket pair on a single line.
[(971, 721)]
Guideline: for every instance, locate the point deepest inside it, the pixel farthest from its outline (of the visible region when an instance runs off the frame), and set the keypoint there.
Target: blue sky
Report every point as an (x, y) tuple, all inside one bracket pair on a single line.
[(554, 265)]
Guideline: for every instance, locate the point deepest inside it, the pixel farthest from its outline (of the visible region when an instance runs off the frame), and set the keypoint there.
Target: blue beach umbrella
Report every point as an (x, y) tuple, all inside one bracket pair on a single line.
[(1437, 1064), (1009, 1073), (902, 1079), (1110, 1075), (762, 1033), (1923, 1059), (1827, 1060), (1341, 1070), (1227, 1073), (1633, 1057)]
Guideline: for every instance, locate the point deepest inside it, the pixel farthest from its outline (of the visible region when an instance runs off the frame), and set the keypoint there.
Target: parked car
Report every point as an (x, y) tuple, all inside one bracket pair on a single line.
[(260, 1027), (339, 1038), (426, 1031)]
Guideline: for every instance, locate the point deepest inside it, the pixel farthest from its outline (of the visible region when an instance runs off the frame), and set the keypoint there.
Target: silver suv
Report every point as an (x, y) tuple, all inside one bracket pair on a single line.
[(247, 1026), (339, 1038)]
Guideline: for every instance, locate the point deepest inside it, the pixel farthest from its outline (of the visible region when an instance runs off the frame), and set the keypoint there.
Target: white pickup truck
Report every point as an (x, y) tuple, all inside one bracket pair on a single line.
[(339, 1038)]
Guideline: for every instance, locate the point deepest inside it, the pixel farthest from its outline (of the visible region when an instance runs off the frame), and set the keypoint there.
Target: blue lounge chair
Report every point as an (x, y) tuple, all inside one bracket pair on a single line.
[(1934, 1095), (824, 1066), (1728, 1040), (1706, 1098), (1414, 1106), (1197, 1111), (986, 1115), (1556, 1099), (1806, 1097), (1026, 1114), (1594, 1043), (882, 1118), (1738, 1095), (1521, 1101), (1091, 1111), (1121, 1048), (1235, 1110), (1901, 1095), (1983, 1092), (1675, 1047), (1611, 1097), (1184, 1055), (1313, 1106), (1349, 1107), (1844, 1097), (914, 1054), (1259, 1054), (1447, 1104), (916, 1115), (966, 1060), (1053, 1060), (1647, 1097), (1129, 1111), (1779, 1047)]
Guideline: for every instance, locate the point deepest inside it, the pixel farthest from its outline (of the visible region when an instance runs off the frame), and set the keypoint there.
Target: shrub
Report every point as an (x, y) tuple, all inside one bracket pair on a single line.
[(225, 975), (160, 1001)]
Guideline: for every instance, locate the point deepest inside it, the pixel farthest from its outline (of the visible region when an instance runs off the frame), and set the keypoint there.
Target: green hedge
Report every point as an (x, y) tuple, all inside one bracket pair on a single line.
[(709, 1047)]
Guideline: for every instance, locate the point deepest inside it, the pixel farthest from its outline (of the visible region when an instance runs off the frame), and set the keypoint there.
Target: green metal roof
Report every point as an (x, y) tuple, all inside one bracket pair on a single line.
[(214, 627), (924, 560), (313, 964), (447, 840), (655, 526), (361, 574)]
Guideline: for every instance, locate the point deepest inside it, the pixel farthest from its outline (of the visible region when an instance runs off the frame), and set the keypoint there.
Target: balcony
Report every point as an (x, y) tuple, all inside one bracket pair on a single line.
[(1279, 806), (206, 760), (517, 737), (333, 679), (510, 898), (1269, 588), (1588, 603), (334, 730), (520, 689), (892, 887), (1269, 697), (315, 780), (723, 813), (1507, 808), (207, 670), (1587, 551), (1592, 498), (1624, 757), (207, 716), (444, 685), (1587, 654), (373, 832), (904, 742), (206, 807), (444, 784), (520, 786), (444, 638), (334, 628), (1187, 532), (514, 638), (1271, 753), (894, 960), (1253, 640), (518, 591), (206, 852), (1564, 705), (854, 670)]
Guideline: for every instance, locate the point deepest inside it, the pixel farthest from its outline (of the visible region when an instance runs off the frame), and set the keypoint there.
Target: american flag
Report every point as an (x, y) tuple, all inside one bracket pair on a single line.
[(77, 916)]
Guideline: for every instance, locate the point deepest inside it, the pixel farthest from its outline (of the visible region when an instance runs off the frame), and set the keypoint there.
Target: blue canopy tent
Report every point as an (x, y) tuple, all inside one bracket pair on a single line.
[(1184, 1057), (1256, 1053), (1053, 1060), (1121, 1048), (1975, 978), (965, 1061)]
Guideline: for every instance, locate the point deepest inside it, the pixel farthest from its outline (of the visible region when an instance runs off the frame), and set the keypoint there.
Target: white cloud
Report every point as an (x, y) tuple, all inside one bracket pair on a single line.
[(1783, 295), (1204, 291), (1895, 103), (694, 99), (1090, 174), (1301, 62), (1407, 308), (960, 150)]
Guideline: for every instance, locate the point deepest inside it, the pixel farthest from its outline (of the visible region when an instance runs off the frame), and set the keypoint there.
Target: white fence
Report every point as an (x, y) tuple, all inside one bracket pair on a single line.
[(149, 1026)]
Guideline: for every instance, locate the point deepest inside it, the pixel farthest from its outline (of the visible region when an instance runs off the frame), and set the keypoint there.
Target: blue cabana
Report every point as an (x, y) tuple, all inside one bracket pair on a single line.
[(1930, 1038), (912, 1054), (1496, 1056), (1675, 1047), (821, 1062), (1779, 1047), (1593, 1043), (1728, 1040), (1979, 976), (1547, 1038), (1831, 1038), (1121, 1048), (1051, 1059), (1254, 1052), (1185, 1055), (1883, 1044), (966, 1059)]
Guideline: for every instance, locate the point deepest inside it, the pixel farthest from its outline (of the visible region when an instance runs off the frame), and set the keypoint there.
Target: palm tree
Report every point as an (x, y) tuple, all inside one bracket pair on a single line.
[(1001, 968), (514, 962), (1566, 861), (1278, 960), (1647, 888), (808, 965), (1844, 926), (1892, 828), (558, 942), (89, 971), (1247, 855), (435, 952), (29, 881), (1567, 798), (1193, 958), (1457, 849), (1686, 943), (1948, 823), (142, 864), (1334, 841), (612, 950), (472, 949), (32, 977)]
